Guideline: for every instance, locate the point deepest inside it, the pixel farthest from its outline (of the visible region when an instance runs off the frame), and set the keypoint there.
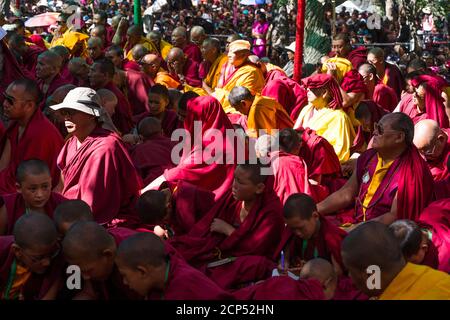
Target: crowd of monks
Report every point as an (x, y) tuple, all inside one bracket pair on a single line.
[(358, 155)]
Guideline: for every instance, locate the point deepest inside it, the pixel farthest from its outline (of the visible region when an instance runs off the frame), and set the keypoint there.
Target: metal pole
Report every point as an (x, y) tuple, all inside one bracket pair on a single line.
[(137, 13), (299, 39), (333, 23)]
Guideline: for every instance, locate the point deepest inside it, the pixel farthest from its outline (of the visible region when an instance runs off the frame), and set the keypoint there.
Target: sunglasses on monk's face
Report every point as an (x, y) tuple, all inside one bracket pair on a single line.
[(379, 130)]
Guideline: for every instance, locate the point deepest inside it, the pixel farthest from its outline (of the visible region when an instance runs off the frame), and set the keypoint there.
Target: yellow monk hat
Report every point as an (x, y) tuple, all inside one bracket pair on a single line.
[(239, 45)]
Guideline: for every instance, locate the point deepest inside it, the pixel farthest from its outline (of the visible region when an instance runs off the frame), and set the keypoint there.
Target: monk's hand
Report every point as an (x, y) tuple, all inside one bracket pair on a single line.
[(130, 138), (160, 232), (331, 69), (348, 167), (220, 226)]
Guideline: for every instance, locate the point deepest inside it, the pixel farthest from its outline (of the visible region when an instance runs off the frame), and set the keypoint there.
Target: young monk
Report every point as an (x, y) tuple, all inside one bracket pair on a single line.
[(153, 155), (317, 281), (307, 236), (29, 268), (244, 226), (34, 193), (69, 212), (93, 249), (149, 270)]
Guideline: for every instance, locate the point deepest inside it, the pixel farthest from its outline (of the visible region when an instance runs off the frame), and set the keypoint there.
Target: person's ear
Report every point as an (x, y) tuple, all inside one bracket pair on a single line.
[(315, 215), (260, 188), (371, 76), (18, 187), (16, 250), (142, 270), (108, 253)]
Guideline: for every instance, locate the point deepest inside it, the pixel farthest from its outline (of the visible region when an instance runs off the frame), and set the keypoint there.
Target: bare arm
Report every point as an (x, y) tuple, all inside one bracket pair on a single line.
[(351, 98), (6, 155), (339, 199)]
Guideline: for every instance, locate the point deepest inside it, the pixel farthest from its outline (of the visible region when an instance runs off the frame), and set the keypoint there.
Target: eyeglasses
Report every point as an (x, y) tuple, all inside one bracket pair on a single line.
[(378, 130), (39, 259)]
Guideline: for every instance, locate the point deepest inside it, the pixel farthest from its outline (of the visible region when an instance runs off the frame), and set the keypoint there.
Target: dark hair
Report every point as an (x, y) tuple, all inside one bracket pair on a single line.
[(182, 103), (299, 205), (239, 93), (409, 236), (362, 111), (160, 90), (151, 207), (255, 170), (401, 122), (31, 166), (288, 139)]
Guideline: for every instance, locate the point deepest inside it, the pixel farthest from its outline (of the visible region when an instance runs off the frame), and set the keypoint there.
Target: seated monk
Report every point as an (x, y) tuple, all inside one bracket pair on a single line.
[(434, 145), (391, 181), (388, 73), (261, 113), (324, 114), (64, 53), (213, 61), (212, 173), (246, 221), (138, 52), (148, 269), (100, 77), (153, 155), (151, 66), (227, 68), (417, 244), (373, 244), (137, 84), (162, 46), (29, 134), (70, 212), (288, 93), (93, 249), (25, 55), (289, 169), (30, 264), (307, 235), (377, 91), (34, 193), (180, 40), (134, 37), (95, 50), (342, 48), (442, 187), (99, 31), (48, 74), (100, 161), (57, 97), (158, 100), (109, 101), (317, 281), (183, 69), (115, 54), (246, 74), (79, 70)]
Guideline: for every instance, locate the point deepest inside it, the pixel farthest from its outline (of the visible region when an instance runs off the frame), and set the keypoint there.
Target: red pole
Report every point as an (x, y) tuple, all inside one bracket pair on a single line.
[(299, 38)]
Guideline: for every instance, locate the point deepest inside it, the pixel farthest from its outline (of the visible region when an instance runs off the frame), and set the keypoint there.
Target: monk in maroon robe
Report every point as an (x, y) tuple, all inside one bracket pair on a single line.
[(33, 194), (183, 69), (209, 174), (29, 135), (95, 165), (342, 47), (288, 93), (153, 155), (101, 77), (180, 40), (26, 55), (35, 236), (169, 277), (406, 184), (137, 85), (408, 105), (434, 145)]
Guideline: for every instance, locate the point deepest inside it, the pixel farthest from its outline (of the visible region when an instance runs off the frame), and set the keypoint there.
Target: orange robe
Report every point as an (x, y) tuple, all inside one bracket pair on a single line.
[(212, 78)]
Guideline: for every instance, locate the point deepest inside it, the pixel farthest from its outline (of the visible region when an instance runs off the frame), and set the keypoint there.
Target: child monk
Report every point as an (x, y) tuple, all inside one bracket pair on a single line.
[(149, 270), (318, 281), (307, 235), (29, 260), (91, 247), (69, 212), (34, 193)]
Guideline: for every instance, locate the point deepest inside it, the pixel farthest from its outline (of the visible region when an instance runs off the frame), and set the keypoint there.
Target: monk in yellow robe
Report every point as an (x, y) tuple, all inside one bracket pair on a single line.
[(162, 46), (324, 114), (134, 37), (246, 74), (263, 113), (215, 59), (376, 264), (76, 42)]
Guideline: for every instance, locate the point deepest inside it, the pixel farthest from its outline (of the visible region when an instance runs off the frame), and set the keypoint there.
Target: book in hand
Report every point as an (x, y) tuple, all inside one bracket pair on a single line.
[(220, 262)]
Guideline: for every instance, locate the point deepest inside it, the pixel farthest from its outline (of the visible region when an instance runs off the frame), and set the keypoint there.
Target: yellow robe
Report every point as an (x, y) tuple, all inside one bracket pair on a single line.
[(212, 78), (247, 76), (416, 282), (333, 125), (342, 67), (166, 80), (165, 47), (146, 43), (70, 39), (266, 113)]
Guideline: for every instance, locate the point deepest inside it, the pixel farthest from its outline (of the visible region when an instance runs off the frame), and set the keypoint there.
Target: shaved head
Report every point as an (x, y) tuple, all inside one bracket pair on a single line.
[(60, 93), (107, 97), (52, 58), (34, 230), (142, 249), (151, 207), (198, 30), (62, 51), (151, 59), (134, 31), (70, 212), (377, 52), (78, 62), (95, 41), (238, 94), (198, 34), (149, 126), (175, 53), (31, 167), (179, 37), (180, 31), (323, 271), (138, 52), (425, 131), (98, 31), (154, 36)]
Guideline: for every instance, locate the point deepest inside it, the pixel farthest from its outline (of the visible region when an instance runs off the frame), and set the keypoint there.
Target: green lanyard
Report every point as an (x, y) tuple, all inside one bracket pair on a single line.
[(9, 285), (304, 246), (166, 277)]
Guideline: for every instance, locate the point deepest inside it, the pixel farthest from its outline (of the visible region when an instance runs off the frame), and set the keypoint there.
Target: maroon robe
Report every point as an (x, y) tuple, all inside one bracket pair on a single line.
[(357, 57), (58, 81), (30, 58), (258, 234), (152, 157), (40, 140), (130, 65), (353, 82), (288, 93), (15, 207), (408, 177), (122, 116), (282, 288), (169, 121), (438, 167), (326, 244), (192, 51), (138, 84), (37, 285), (385, 97), (395, 78), (203, 69), (101, 173), (191, 75), (186, 283), (66, 75), (436, 218), (408, 107)]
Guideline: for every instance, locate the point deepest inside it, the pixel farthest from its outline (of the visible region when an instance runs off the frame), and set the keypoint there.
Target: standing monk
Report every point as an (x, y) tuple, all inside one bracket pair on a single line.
[(29, 135), (93, 161), (342, 48)]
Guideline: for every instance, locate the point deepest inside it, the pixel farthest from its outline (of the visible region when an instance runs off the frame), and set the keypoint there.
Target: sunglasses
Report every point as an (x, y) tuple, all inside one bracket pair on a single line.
[(378, 129)]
